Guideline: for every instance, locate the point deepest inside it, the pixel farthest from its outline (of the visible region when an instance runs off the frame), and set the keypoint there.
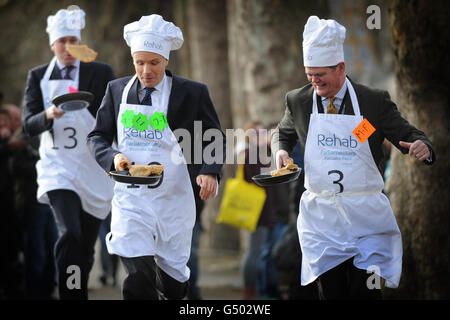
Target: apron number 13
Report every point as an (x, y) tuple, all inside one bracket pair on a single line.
[(341, 176), (72, 132)]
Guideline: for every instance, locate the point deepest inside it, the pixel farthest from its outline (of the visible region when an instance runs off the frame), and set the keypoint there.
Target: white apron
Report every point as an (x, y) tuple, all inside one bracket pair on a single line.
[(343, 212), (156, 222), (65, 161)]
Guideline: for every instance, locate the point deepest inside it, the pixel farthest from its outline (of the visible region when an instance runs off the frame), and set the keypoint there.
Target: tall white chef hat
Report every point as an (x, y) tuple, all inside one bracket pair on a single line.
[(65, 23), (323, 43), (153, 34)]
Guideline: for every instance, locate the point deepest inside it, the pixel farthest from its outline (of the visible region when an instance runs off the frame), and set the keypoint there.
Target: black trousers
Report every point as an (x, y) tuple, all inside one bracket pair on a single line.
[(74, 249), (146, 281), (345, 281)]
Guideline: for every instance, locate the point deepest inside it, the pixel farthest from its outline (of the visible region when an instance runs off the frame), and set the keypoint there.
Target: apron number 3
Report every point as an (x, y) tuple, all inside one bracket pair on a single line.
[(341, 176), (72, 137)]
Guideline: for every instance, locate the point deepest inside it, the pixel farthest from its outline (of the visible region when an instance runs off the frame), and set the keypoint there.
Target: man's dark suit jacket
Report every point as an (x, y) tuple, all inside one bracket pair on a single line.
[(375, 105), (94, 77), (189, 101)]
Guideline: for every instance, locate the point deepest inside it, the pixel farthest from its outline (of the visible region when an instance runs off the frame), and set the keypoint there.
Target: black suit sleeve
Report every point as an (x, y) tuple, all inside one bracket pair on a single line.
[(210, 120), (109, 74), (33, 117), (284, 137), (395, 128), (100, 139)]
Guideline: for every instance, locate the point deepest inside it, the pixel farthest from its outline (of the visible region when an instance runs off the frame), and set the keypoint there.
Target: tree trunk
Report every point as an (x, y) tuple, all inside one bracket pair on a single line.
[(209, 64), (265, 38), (420, 194)]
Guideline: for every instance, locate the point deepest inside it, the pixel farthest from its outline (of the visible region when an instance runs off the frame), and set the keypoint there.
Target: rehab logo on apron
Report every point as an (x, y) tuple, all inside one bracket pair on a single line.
[(139, 125)]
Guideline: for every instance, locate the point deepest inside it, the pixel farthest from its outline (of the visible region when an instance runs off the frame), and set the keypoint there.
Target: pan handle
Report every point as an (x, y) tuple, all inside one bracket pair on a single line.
[(160, 180)]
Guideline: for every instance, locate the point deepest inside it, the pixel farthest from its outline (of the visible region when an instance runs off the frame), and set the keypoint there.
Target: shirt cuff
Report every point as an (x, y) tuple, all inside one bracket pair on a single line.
[(217, 187), (430, 158)]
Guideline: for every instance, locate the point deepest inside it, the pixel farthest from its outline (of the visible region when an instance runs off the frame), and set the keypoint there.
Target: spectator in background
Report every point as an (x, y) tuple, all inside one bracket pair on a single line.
[(37, 225), (15, 115), (11, 145), (5, 125), (279, 203), (8, 254), (252, 257)]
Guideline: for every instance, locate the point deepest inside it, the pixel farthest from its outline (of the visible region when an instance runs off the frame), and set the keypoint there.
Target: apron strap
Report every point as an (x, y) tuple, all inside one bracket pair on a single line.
[(49, 70), (127, 89), (353, 98)]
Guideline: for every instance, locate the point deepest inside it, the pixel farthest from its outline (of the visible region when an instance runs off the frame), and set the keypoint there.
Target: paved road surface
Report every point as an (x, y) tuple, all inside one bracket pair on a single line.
[(219, 278)]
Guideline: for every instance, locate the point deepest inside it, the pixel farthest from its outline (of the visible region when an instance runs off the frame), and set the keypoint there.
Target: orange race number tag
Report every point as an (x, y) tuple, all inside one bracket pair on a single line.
[(363, 131)]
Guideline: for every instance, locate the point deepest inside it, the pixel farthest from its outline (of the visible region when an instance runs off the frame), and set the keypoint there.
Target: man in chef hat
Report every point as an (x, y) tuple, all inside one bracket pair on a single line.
[(69, 180), (349, 237), (151, 227)]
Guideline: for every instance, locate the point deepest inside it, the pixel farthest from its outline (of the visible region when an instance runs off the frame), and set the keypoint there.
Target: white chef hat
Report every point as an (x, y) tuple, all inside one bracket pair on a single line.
[(65, 23), (323, 43), (153, 34)]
